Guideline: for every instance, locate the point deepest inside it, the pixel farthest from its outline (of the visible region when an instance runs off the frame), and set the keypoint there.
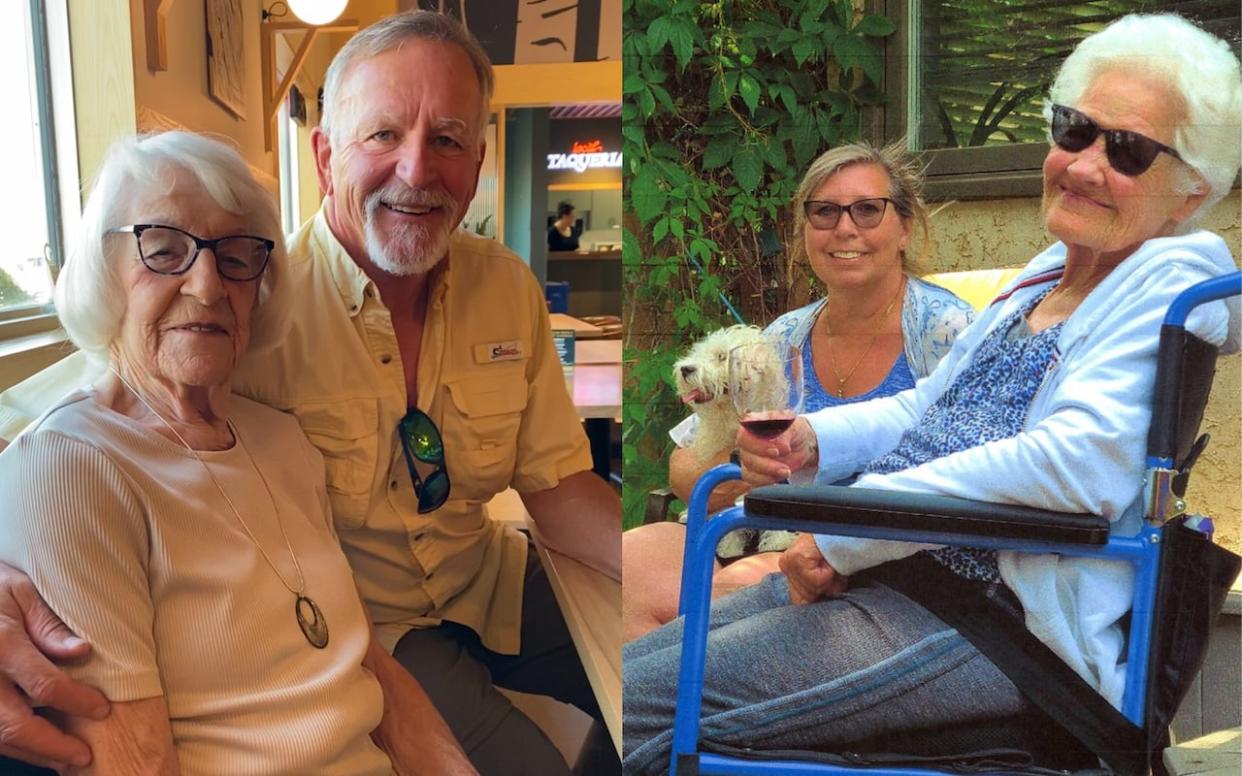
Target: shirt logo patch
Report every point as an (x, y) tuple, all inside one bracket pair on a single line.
[(504, 351)]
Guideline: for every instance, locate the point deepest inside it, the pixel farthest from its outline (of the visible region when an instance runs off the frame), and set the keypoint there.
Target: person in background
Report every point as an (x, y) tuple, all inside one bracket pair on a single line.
[(877, 330), (392, 369), (563, 233), (1045, 401)]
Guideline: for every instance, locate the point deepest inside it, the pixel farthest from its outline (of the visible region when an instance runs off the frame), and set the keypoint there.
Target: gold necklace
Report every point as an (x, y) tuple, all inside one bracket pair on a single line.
[(832, 362), (314, 629)]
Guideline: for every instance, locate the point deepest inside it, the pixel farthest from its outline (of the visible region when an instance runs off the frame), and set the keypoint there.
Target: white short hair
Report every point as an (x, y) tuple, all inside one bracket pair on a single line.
[(1196, 66), (90, 299), (391, 33)]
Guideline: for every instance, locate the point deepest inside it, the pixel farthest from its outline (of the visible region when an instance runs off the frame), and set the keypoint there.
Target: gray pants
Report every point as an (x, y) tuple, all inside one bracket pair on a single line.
[(461, 676), (780, 676)]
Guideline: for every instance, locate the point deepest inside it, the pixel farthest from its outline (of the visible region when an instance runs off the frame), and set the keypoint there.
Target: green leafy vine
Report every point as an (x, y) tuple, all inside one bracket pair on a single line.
[(724, 105)]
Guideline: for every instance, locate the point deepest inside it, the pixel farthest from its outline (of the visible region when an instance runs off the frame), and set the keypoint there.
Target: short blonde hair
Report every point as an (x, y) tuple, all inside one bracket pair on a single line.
[(905, 189), (89, 297)]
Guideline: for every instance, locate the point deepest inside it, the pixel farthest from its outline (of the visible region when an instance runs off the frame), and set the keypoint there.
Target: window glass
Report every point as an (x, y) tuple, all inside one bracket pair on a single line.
[(25, 276), (980, 68)]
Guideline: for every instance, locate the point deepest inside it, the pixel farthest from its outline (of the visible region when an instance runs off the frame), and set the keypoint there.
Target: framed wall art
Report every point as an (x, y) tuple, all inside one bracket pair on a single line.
[(225, 65)]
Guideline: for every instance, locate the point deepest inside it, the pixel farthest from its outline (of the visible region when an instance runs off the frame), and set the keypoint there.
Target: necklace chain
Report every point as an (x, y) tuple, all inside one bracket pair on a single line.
[(301, 588), (832, 361)]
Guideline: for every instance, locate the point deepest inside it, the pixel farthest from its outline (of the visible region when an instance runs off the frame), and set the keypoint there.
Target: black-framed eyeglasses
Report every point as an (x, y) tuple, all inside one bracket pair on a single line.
[(421, 441), (865, 213), (1129, 153), (167, 250)]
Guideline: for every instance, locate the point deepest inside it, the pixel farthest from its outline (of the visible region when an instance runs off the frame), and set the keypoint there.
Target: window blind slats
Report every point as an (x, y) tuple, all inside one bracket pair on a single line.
[(977, 56)]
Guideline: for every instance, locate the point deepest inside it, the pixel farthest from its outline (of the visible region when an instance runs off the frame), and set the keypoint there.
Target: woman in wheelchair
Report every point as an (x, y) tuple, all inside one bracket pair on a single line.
[(1043, 401)]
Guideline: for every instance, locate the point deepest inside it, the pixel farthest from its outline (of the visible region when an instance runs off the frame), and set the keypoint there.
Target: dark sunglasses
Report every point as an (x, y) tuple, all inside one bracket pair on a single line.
[(865, 213), (1128, 152), (420, 439)]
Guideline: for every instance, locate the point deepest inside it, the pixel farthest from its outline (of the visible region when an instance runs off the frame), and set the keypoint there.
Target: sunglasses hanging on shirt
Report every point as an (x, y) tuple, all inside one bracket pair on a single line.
[(421, 442)]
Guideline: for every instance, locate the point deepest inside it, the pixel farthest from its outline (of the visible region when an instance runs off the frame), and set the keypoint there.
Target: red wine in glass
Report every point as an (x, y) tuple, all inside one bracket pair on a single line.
[(768, 425)]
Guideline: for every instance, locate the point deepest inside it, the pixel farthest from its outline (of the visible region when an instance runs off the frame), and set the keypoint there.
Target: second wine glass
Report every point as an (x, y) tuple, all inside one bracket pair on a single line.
[(765, 385)]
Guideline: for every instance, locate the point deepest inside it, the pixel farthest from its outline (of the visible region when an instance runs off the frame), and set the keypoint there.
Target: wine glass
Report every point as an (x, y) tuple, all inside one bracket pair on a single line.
[(765, 385)]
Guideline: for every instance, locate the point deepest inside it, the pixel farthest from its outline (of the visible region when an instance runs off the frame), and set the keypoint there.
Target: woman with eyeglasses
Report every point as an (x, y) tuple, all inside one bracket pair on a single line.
[(180, 529), (1044, 401), (878, 328)]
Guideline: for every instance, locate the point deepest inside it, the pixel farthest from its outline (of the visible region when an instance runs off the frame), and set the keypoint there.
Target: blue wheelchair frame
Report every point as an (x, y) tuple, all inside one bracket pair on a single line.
[(1142, 550)]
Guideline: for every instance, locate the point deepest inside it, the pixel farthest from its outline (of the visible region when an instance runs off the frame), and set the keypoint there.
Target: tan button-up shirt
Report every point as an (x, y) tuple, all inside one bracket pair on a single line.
[(488, 377)]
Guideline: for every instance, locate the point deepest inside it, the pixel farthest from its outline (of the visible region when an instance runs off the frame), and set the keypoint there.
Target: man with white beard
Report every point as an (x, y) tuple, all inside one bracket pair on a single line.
[(421, 365)]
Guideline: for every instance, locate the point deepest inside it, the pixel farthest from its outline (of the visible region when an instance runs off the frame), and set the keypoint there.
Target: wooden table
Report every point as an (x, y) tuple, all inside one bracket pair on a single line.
[(596, 382), (597, 352), (579, 327), (596, 390), (591, 604)]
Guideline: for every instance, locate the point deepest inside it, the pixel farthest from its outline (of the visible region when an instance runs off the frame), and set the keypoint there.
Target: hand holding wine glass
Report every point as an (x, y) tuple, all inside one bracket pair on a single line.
[(765, 386)]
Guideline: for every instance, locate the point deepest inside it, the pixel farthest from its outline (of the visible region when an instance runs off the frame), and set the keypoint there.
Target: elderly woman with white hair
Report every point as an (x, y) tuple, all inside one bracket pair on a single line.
[(1045, 400), (181, 529)]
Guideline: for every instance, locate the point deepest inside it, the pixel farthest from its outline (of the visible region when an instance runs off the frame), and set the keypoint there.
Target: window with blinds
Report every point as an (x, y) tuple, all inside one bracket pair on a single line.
[(983, 66), (971, 85)]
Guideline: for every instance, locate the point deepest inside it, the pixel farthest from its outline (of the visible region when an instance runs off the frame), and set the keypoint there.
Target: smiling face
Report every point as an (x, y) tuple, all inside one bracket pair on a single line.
[(849, 257), (403, 161), (1089, 205), (189, 329)]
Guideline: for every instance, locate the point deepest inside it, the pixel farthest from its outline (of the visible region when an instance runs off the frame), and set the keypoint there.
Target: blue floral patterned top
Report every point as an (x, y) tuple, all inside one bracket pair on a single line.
[(987, 402)]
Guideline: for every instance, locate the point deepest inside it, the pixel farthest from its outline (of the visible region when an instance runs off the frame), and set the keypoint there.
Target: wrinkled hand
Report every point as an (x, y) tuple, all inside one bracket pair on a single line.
[(809, 576), (30, 634), (766, 461)]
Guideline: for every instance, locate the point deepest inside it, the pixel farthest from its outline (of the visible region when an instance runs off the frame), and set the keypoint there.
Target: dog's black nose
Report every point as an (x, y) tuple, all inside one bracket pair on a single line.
[(686, 371)]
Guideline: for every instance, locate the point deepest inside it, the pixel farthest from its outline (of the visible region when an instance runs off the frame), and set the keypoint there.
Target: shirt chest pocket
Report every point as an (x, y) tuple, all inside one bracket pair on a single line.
[(346, 434), (481, 423)]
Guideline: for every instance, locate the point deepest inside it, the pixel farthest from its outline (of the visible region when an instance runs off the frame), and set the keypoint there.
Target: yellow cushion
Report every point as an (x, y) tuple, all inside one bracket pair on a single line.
[(978, 287)]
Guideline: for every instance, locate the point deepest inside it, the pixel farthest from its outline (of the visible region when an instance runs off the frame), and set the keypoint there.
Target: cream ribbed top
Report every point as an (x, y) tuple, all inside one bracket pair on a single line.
[(132, 544)]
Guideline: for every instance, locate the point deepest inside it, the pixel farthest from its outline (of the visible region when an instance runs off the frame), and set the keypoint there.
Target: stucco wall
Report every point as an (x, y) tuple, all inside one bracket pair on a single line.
[(1000, 233)]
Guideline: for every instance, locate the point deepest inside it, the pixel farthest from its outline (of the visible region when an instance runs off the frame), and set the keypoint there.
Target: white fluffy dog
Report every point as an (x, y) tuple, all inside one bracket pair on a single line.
[(702, 378)]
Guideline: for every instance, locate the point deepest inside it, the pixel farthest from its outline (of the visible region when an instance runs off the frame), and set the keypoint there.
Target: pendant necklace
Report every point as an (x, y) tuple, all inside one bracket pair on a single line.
[(841, 381), (309, 616)]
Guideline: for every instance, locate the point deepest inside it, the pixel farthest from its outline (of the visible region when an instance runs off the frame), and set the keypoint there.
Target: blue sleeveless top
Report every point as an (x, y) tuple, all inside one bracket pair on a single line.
[(816, 398)]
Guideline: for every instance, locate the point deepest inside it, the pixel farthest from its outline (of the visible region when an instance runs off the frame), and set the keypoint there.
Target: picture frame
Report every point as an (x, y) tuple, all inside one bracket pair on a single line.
[(225, 55)]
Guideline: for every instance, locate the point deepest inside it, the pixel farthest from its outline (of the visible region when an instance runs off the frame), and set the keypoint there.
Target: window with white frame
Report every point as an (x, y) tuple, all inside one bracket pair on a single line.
[(35, 60), (966, 80)]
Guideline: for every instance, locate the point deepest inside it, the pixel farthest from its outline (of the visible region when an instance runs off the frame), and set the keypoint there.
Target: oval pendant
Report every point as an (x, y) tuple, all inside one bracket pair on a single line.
[(316, 629)]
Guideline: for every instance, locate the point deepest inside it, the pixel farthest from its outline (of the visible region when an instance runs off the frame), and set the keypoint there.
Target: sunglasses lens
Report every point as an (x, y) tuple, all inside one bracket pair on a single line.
[(823, 215), (434, 492), (1072, 130), (868, 212), (423, 438), (1131, 154)]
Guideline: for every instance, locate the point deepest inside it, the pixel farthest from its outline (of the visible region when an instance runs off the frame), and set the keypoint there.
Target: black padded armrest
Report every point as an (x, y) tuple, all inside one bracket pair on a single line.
[(837, 505)]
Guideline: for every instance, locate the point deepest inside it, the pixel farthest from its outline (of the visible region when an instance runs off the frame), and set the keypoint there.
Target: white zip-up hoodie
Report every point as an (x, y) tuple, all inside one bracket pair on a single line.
[(1082, 449)]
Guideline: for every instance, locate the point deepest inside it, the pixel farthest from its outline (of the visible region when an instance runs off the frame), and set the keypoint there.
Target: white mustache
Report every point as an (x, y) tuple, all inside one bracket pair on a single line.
[(409, 197)]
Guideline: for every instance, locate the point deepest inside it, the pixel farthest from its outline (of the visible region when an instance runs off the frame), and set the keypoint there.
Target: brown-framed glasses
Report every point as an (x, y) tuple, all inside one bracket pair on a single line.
[(865, 213)]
